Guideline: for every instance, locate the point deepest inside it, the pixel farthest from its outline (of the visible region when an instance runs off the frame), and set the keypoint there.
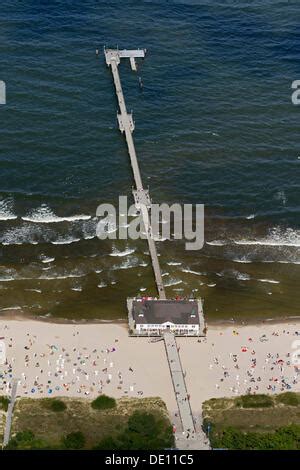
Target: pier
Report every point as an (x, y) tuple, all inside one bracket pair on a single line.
[(188, 437), (126, 125)]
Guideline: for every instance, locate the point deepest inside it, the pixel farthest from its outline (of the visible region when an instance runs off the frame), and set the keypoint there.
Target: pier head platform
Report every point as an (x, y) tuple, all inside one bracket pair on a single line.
[(154, 317)]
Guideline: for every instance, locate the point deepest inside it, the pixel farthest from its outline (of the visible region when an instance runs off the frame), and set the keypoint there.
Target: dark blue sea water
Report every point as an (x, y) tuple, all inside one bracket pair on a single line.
[(214, 124)]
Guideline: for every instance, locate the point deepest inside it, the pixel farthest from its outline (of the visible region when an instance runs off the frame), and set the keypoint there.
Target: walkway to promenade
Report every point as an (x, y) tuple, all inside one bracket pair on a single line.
[(187, 437)]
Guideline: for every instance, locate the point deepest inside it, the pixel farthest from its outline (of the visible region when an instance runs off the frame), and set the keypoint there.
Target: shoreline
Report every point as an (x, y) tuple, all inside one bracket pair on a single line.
[(17, 316)]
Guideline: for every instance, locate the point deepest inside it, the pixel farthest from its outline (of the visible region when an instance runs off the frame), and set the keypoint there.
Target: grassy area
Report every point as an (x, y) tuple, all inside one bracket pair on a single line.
[(254, 401), (254, 422), (39, 424), (2, 425), (4, 401)]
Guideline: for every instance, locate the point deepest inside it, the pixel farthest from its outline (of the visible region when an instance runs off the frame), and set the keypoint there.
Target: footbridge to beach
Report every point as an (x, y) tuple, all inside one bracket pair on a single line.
[(188, 437)]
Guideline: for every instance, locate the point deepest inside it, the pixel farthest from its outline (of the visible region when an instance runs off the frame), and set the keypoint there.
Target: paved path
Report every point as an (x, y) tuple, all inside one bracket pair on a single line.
[(9, 413), (179, 383), (188, 437)]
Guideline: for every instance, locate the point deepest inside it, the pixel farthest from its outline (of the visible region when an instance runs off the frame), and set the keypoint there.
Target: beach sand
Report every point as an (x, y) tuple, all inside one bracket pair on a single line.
[(86, 360)]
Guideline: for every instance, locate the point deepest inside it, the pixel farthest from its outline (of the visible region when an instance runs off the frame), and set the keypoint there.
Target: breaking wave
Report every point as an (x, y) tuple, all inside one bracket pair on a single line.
[(276, 237), (271, 281), (66, 241), (44, 215), (127, 252), (189, 271), (173, 282), (6, 210)]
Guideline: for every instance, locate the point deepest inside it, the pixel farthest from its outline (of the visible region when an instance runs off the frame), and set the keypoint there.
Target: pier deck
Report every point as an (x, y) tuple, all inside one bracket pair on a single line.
[(126, 126)]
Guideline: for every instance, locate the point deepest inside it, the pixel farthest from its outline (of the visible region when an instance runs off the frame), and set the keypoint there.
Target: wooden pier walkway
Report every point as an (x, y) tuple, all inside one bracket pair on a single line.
[(141, 196), (187, 437)]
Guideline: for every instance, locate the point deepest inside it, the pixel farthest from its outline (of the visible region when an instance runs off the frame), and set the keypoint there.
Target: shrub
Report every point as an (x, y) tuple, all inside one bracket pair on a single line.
[(4, 402), (25, 440), (26, 435), (289, 398), (254, 401), (144, 431), (107, 443), (284, 438), (74, 440), (57, 405), (103, 402)]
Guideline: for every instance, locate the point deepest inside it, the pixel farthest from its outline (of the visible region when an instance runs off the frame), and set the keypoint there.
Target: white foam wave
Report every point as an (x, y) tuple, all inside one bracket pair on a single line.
[(143, 264), (6, 279), (44, 215), (59, 277), (190, 271), (6, 210), (216, 243), (122, 253), (271, 281), (66, 241), (173, 263), (276, 237), (243, 277), (242, 260), (46, 259), (101, 285), (128, 264), (89, 237), (173, 282), (11, 308)]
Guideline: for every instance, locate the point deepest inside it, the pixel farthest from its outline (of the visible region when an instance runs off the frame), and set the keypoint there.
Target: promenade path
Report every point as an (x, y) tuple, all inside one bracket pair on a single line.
[(187, 437)]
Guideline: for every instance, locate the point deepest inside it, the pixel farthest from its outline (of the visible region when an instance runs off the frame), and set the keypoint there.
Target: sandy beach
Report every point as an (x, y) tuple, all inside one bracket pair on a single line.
[(86, 360)]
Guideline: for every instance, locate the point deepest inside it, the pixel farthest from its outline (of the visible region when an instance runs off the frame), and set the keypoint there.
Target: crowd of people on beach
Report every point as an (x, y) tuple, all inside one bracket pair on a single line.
[(50, 369), (245, 371)]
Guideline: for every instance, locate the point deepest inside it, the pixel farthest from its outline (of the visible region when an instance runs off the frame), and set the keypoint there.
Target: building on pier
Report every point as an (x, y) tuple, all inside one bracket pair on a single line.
[(153, 317)]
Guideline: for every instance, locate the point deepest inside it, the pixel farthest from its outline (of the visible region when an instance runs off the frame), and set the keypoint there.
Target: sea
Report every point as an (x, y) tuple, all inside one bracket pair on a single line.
[(214, 124)]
